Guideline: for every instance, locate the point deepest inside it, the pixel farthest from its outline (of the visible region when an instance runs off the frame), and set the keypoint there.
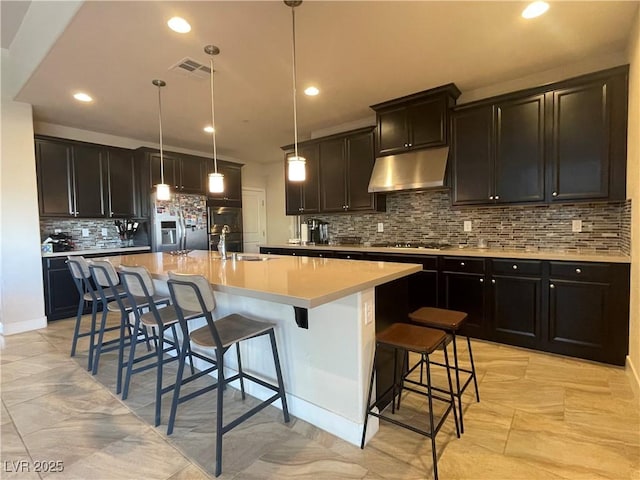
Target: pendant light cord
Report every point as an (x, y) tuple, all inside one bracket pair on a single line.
[(160, 122), (295, 113), (213, 122)]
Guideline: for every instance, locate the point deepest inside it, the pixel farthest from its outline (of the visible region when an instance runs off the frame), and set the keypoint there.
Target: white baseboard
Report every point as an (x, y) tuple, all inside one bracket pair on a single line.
[(25, 326), (633, 370)]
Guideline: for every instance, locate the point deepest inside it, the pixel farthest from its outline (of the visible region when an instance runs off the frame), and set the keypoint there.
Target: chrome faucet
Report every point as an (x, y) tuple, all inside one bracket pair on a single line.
[(222, 244)]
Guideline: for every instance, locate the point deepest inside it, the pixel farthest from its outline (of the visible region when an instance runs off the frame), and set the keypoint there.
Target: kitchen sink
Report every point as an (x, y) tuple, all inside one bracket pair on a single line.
[(252, 258)]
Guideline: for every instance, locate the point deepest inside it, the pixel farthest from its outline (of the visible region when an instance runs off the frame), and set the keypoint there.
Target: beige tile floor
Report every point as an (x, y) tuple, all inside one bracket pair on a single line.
[(540, 417)]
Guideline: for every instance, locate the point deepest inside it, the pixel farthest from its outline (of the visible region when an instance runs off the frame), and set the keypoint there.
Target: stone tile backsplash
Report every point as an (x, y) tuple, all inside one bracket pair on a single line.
[(95, 239), (428, 216)]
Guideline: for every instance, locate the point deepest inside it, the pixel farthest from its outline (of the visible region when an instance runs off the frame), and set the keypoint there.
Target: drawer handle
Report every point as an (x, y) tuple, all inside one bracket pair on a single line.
[(482, 280), (493, 281), (515, 267), (552, 286), (555, 194), (578, 270), (491, 197), (462, 264), (497, 197)]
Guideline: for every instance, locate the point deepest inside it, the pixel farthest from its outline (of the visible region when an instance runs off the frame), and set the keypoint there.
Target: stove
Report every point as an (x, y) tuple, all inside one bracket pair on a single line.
[(424, 245)]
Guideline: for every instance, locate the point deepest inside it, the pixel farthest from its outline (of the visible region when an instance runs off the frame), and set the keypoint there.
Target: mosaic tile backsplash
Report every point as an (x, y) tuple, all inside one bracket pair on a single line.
[(74, 227), (428, 216)]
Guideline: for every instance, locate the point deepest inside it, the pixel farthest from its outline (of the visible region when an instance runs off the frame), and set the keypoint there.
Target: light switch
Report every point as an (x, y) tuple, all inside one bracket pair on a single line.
[(57, 230), (576, 225), (380, 227), (104, 232), (85, 232), (467, 225), (368, 313)]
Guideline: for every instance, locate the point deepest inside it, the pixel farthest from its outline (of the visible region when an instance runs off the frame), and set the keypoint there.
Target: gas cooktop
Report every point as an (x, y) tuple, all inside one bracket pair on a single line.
[(429, 245)]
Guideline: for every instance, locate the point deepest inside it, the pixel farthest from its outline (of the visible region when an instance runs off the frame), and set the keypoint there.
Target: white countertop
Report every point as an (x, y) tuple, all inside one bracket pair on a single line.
[(299, 281), (540, 254), (97, 251)]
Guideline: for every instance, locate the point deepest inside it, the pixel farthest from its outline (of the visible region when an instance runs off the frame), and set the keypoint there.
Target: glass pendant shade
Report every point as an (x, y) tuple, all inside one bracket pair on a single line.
[(216, 182), (163, 192), (296, 171)]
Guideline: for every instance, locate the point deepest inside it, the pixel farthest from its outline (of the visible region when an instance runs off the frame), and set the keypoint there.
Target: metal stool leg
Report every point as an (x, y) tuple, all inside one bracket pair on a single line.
[(457, 369), (132, 355), (473, 371), (176, 390), (160, 352), (367, 406), (431, 420), (103, 325), (276, 359), (453, 400), (240, 370), (220, 403), (92, 334)]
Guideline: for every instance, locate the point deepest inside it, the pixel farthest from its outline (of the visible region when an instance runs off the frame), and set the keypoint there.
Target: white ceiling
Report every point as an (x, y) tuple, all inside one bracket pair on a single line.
[(358, 53)]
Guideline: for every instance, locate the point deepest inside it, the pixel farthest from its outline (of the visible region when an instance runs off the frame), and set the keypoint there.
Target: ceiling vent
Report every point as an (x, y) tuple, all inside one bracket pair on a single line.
[(189, 67)]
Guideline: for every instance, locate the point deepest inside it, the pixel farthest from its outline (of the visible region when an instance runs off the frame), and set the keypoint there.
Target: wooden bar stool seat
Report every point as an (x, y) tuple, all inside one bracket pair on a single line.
[(449, 321), (404, 338)]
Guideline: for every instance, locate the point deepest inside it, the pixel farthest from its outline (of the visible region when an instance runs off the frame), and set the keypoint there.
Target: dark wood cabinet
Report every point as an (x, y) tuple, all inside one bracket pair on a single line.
[(360, 160), (588, 143), (417, 121), (192, 178), (54, 166), (556, 143), (232, 194), (333, 175), (471, 156), (168, 170), (60, 292), (70, 178), (516, 302), (121, 181), (304, 197), (465, 292)]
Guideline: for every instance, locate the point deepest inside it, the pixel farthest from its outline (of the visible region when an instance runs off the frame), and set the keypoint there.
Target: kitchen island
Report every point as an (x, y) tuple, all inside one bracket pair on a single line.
[(326, 366)]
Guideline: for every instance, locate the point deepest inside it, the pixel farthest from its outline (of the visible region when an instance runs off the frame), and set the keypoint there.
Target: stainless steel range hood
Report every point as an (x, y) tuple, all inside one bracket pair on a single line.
[(419, 169)]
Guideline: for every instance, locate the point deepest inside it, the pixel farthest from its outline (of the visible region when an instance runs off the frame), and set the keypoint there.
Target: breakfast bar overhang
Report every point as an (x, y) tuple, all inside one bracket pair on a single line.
[(326, 364)]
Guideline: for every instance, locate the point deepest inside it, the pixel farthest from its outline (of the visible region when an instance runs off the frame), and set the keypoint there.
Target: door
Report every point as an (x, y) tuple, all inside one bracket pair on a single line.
[(88, 179), (120, 183), (517, 304), (254, 219), (333, 175), (427, 123), (55, 180), (392, 131), (361, 160)]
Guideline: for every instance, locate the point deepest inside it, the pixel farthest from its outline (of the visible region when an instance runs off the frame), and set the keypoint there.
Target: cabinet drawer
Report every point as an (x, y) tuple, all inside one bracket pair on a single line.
[(580, 271), (517, 267), (428, 263), (463, 264)]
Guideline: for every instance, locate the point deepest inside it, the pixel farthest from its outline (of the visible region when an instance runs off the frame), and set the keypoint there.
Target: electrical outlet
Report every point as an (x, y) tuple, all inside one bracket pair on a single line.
[(380, 227), (368, 314), (57, 230), (576, 225), (467, 225), (104, 232), (85, 232)]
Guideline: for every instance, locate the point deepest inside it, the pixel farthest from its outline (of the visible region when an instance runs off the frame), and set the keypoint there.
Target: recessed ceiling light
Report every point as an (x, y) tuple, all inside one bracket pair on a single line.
[(208, 129), (535, 9), (179, 24), (82, 97), (311, 91)]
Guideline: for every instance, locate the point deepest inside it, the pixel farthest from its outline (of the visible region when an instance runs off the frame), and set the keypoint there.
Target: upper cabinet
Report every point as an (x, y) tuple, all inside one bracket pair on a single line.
[(416, 121), (304, 197), (560, 142), (121, 181), (184, 173), (338, 170), (232, 194)]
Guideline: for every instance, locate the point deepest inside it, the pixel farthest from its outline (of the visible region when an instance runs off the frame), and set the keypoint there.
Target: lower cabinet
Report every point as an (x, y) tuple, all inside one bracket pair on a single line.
[(60, 292), (580, 309)]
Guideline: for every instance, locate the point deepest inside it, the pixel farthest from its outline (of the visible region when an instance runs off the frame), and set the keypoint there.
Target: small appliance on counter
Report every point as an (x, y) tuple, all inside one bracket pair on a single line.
[(318, 231), (60, 242)]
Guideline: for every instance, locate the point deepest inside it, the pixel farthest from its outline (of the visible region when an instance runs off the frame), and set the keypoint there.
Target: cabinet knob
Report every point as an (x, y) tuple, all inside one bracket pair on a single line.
[(320, 254), (552, 285), (497, 197), (293, 254), (578, 270), (406, 144), (462, 264), (515, 267), (493, 281), (482, 280), (491, 197), (555, 194), (348, 256), (411, 144)]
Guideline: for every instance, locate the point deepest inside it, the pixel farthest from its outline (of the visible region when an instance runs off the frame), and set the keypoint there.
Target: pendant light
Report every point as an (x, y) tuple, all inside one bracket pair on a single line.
[(216, 179), (162, 189), (296, 163)]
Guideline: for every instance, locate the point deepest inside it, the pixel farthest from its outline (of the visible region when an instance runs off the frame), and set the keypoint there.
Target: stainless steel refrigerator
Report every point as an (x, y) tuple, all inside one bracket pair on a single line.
[(179, 223)]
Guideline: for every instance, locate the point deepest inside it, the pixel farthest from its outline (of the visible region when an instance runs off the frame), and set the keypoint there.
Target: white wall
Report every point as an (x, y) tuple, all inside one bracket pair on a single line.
[(633, 192), (279, 227), (21, 286)]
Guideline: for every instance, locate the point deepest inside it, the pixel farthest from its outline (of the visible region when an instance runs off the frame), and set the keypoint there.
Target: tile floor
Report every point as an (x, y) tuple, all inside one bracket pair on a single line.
[(540, 417)]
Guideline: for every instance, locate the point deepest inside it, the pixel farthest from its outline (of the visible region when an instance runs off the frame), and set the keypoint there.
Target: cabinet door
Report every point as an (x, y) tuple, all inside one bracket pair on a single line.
[(292, 192), (53, 163), (472, 156), (579, 318), (311, 185), (360, 165), (426, 120), (517, 310), (333, 174), (120, 183), (232, 182), (88, 179), (519, 150), (191, 177), (171, 170), (392, 131), (465, 292), (580, 146), (61, 294)]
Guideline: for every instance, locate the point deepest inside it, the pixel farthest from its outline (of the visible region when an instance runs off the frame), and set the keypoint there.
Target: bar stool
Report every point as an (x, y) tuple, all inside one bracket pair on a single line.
[(106, 279), (192, 295), (81, 275), (405, 338), (450, 322), (141, 294)]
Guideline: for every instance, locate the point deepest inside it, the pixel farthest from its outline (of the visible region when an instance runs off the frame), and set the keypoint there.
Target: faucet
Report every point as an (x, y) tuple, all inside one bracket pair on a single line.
[(222, 244)]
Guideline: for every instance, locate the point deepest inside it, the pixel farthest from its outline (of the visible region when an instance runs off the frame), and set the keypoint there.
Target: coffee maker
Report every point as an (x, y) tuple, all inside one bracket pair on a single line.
[(318, 231)]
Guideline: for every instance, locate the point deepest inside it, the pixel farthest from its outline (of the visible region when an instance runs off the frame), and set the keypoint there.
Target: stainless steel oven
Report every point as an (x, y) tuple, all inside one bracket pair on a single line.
[(219, 216)]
